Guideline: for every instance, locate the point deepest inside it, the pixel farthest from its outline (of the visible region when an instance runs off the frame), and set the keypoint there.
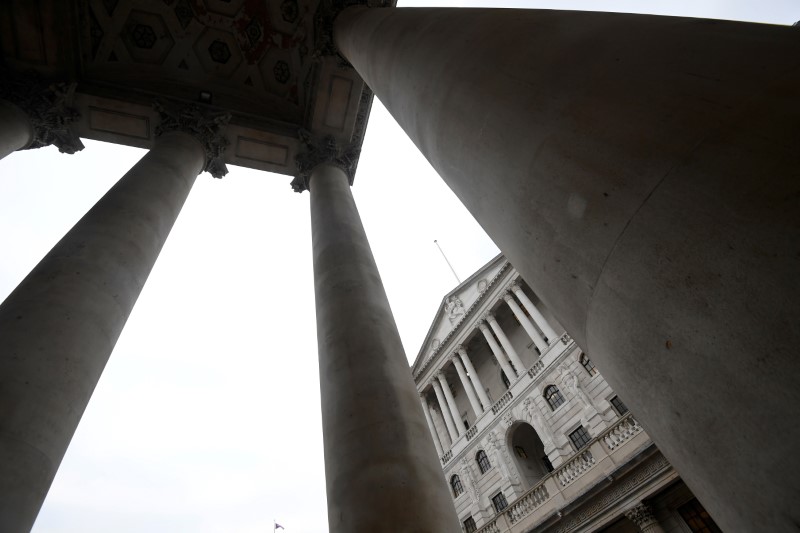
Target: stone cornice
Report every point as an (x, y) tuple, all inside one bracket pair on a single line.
[(47, 106), (205, 127), (320, 151), (468, 312)]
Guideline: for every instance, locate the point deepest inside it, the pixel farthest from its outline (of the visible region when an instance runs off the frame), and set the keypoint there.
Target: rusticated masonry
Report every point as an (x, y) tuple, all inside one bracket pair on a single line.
[(47, 106), (205, 127), (320, 151)]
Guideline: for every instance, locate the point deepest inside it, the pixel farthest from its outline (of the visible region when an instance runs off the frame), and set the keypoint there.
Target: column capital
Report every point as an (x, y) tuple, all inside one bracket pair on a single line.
[(460, 350), (488, 316), (507, 296), (641, 515), (203, 126), (47, 106), (319, 151), (514, 286)]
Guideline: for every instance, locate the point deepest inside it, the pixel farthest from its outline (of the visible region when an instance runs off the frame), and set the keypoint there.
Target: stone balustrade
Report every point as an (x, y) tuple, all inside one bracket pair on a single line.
[(526, 504), (471, 432), (614, 446), (620, 433), (537, 367), (574, 468), (447, 457), (499, 404)]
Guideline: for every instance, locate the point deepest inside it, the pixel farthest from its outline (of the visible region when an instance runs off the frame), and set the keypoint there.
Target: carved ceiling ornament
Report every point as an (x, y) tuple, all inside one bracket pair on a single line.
[(205, 127), (320, 151), (47, 106)]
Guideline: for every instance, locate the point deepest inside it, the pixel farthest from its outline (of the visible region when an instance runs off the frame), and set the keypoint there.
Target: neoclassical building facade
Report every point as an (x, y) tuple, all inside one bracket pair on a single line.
[(639, 171), (530, 435)]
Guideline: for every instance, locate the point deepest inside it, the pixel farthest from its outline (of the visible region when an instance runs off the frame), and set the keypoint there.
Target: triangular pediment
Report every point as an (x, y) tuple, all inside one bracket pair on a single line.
[(456, 305)]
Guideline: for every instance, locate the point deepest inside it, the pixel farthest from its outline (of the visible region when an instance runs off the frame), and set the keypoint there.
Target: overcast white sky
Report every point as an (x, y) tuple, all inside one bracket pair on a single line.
[(207, 416)]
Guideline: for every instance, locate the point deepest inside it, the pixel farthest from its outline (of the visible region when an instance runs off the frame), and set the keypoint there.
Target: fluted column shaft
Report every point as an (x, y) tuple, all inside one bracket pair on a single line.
[(473, 400), (16, 130), (59, 326), (451, 402), (473, 375), (510, 351), (374, 429), (497, 351), (431, 427), (536, 315), (445, 410), (527, 325)]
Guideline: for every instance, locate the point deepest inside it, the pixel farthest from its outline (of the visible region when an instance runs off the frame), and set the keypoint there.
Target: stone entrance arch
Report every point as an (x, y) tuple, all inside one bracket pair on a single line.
[(527, 450)]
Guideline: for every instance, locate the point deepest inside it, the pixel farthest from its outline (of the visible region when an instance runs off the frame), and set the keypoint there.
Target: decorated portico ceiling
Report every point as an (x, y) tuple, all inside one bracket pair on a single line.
[(267, 62)]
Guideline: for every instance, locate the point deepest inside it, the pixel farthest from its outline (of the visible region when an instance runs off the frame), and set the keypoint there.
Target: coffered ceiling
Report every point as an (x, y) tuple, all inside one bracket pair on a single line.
[(268, 62)]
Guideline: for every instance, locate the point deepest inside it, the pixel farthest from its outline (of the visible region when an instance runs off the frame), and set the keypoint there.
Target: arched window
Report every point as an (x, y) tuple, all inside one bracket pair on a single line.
[(483, 462), (553, 397), (455, 484), (588, 365), (506, 382)]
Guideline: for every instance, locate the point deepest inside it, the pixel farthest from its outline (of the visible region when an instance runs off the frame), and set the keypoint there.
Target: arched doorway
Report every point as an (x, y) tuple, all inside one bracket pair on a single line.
[(527, 450)]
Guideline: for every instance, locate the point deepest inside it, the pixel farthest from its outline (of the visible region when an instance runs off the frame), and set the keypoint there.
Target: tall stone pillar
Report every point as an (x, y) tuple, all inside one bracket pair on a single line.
[(473, 376), (16, 131), (536, 315), (378, 450), (445, 410), (35, 113), (526, 323), (497, 351), (462, 375), (509, 349), (642, 516), (451, 403), (652, 204), (431, 426), (59, 326)]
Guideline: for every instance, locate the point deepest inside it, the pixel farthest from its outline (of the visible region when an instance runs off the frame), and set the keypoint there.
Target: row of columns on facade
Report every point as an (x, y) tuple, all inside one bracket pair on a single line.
[(607, 237), (59, 326), (507, 357)]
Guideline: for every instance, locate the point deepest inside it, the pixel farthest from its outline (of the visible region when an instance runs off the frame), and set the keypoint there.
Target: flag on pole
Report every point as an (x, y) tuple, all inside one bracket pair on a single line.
[(277, 526)]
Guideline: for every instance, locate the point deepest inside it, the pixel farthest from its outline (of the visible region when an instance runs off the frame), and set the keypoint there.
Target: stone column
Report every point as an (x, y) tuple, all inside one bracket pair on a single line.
[(636, 193), (548, 331), (445, 410), (527, 325), (431, 427), (509, 349), (473, 375), (462, 375), (497, 351), (16, 131), (59, 326), (642, 516), (377, 445), (451, 402), (35, 113)]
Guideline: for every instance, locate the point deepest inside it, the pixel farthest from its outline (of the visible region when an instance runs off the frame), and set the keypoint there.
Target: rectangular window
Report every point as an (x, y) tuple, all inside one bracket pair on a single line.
[(697, 518), (580, 438), (469, 525), (499, 502), (547, 464), (618, 406)]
